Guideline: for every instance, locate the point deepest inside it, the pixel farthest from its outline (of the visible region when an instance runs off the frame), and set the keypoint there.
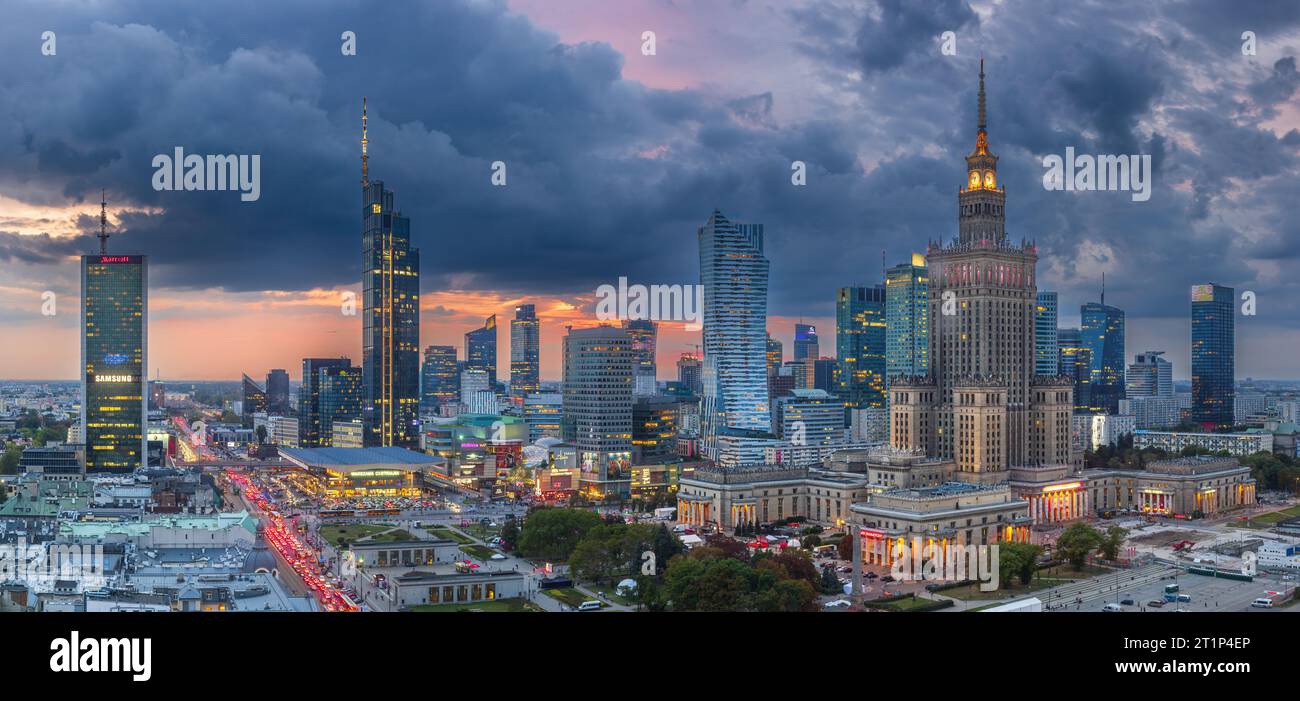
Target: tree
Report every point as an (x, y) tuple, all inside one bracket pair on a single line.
[(1076, 542), (665, 547), (844, 548), (1018, 560), (509, 534), (1111, 542), (261, 434), (787, 596), (715, 584), (9, 460), (829, 582), (552, 534)]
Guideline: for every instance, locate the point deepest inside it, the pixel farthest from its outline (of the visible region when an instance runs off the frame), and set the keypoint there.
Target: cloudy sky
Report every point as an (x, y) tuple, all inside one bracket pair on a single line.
[(614, 158)]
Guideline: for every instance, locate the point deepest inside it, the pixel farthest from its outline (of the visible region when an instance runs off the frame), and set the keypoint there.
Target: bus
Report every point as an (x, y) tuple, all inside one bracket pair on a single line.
[(825, 551), (1171, 588)]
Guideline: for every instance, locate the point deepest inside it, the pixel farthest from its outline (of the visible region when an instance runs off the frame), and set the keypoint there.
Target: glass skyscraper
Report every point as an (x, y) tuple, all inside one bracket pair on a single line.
[(907, 321), (1046, 349), (313, 423), (1075, 362), (340, 399), (644, 375), (481, 350), (390, 341), (1213, 354), (734, 273), (525, 352), (254, 400), (114, 362), (277, 391), (775, 355), (861, 345), (806, 346), (1103, 335), (439, 378), (598, 367)]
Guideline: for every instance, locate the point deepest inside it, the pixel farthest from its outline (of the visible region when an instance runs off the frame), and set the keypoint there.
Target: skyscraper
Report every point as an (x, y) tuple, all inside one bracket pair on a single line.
[(1075, 361), (861, 343), (1214, 365), (340, 399), (734, 274), (313, 425), (907, 323), (277, 392), (644, 377), (688, 373), (982, 406), (805, 342), (390, 340), (1046, 350), (598, 368), (114, 358), (439, 378), (1103, 333), (1149, 375), (525, 352), (481, 349), (775, 355), (254, 400)]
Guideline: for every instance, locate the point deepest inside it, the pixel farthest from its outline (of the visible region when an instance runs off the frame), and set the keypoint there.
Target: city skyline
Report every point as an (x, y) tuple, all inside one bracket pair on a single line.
[(199, 286)]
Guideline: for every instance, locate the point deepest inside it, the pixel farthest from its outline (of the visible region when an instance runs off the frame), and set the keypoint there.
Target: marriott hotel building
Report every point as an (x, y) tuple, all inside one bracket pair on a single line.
[(114, 361)]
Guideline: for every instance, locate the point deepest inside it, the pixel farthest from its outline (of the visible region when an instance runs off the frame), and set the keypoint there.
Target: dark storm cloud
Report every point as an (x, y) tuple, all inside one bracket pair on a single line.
[(609, 177)]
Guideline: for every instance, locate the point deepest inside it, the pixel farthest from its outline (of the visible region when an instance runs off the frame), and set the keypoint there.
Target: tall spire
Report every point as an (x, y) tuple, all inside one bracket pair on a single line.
[(983, 123), (103, 222), (365, 157)]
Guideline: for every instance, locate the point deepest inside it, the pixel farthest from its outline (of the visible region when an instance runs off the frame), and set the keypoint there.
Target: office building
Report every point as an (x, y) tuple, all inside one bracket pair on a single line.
[(525, 352), (285, 431), (734, 273), (439, 378), (1213, 354), (1102, 328), (860, 345), (544, 414), (1149, 375), (390, 340), (689, 373), (1075, 362), (481, 349), (1152, 412), (1235, 444), (654, 429), (907, 322), (826, 374), (1046, 349), (254, 402), (598, 368), (277, 392), (311, 432), (810, 417), (775, 355), (643, 332), (806, 346), (340, 400), (114, 359)]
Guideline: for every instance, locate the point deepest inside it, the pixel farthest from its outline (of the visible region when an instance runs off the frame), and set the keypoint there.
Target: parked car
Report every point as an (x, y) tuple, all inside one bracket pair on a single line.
[(838, 603), (1262, 603), (1156, 603), (1128, 602), (1112, 607)]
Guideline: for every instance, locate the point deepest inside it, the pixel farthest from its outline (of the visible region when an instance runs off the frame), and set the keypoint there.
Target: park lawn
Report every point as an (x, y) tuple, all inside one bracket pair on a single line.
[(352, 532), (390, 537), (569, 596), (498, 606), (482, 532), (1043, 579), (453, 535), (482, 552), (1266, 520), (908, 603)]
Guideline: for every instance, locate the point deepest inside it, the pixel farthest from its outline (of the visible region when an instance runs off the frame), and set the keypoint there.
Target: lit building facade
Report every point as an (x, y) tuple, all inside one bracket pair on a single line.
[(114, 362), (734, 273), (1103, 333), (525, 352), (311, 431), (860, 345), (598, 369), (1213, 354), (1149, 375), (1046, 350), (439, 378), (390, 338), (644, 378), (481, 349), (907, 320)]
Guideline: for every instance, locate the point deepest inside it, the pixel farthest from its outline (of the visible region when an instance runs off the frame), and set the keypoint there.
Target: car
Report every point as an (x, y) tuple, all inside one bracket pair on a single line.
[(1156, 603), (1185, 598), (872, 575), (1112, 607), (837, 604), (1262, 603), (845, 568), (1128, 602)]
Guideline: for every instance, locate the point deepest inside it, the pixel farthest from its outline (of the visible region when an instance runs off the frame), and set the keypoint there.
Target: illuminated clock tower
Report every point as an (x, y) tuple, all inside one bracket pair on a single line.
[(981, 215)]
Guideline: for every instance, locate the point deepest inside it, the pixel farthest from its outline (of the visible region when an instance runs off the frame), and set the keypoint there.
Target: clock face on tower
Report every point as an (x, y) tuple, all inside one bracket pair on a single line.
[(989, 180), (974, 179)]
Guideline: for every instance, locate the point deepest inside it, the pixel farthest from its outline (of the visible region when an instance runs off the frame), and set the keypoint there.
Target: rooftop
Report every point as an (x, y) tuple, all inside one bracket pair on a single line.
[(349, 459)]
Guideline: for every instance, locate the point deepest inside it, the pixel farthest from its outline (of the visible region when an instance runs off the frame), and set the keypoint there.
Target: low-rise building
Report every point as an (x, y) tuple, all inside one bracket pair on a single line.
[(1235, 444)]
